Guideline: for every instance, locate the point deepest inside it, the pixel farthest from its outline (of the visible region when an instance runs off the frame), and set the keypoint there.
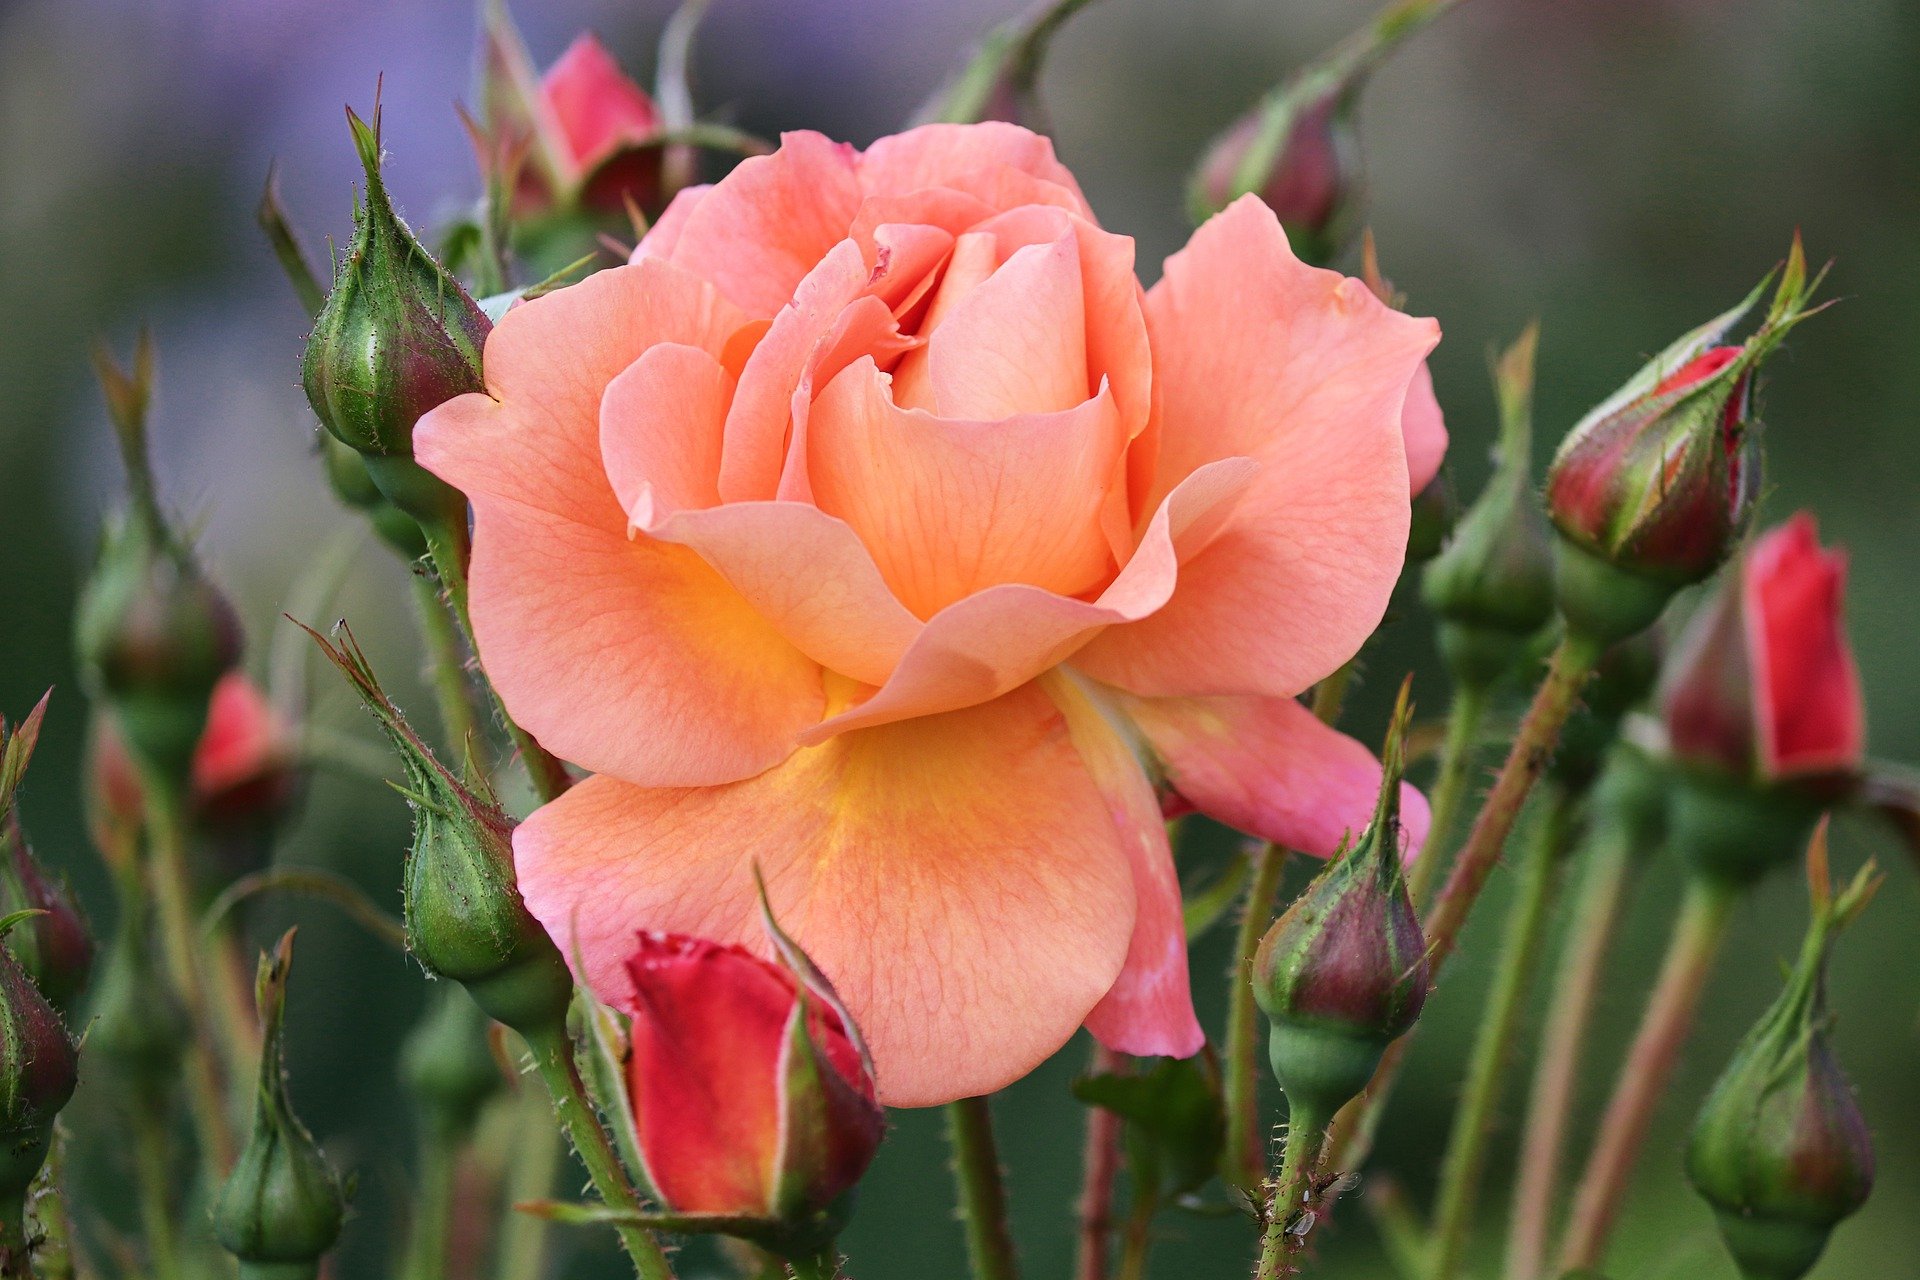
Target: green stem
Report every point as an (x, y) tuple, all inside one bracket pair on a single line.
[(1451, 784), (824, 1265), (432, 1206), (447, 666), (982, 1189), (155, 1178), (1279, 1246), (1244, 1159), (1136, 1242), (16, 1258), (448, 545), (47, 1216), (1403, 1236), (1697, 937), (223, 1050), (553, 1058), (1596, 914), (1101, 1165), (532, 1162), (1473, 1119), (1533, 745)]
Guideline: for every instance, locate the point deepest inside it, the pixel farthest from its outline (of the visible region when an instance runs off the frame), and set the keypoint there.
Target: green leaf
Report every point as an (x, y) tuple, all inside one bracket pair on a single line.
[(1173, 1111)]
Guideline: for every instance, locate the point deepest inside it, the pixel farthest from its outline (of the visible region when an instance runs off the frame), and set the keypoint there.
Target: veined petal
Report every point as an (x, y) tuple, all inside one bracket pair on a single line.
[(958, 878)]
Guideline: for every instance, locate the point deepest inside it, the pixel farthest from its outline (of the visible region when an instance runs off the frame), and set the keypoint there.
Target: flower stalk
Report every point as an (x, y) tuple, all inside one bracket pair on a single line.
[(982, 1190)]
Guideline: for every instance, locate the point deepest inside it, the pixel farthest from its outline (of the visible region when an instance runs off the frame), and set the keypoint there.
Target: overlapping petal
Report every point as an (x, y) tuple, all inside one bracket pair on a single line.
[(958, 878)]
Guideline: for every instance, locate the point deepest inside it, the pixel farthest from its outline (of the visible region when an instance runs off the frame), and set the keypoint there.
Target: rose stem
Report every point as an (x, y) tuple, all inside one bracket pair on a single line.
[(1596, 914), (981, 1188), (1450, 786), (1102, 1164), (552, 1050), (1572, 663), (1306, 1136), (1464, 1167), (156, 1178), (1697, 936)]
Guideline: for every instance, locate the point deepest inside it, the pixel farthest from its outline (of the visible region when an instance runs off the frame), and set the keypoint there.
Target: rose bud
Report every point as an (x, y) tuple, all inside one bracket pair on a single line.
[(1761, 705), (1492, 587), (397, 337), (1651, 490), (1000, 79), (752, 1094), (1780, 1149), (281, 1207), (464, 915), (38, 1068), (153, 635), (1344, 971), (447, 1064), (53, 945)]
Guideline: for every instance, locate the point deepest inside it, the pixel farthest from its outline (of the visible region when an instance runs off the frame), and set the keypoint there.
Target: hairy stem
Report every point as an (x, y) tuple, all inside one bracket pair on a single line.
[(1280, 1246), (1244, 1158), (1473, 1119), (1451, 784), (1697, 937), (446, 664), (982, 1190), (553, 1057), (1596, 914), (1101, 1163)]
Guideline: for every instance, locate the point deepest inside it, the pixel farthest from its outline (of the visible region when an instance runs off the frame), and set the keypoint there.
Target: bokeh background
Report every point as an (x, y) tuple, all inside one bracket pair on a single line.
[(1620, 168)]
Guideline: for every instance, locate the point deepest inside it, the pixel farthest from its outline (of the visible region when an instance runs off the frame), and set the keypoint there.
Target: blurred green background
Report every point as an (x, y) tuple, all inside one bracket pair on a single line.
[(1620, 168)]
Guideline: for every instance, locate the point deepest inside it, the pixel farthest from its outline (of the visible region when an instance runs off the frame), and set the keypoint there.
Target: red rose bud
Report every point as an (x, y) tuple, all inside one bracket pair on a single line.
[(153, 635), (38, 1069), (464, 914), (1000, 80), (398, 337), (1492, 587), (1344, 971), (1651, 490), (1780, 1149), (281, 1208), (1762, 707), (52, 944), (753, 1097)]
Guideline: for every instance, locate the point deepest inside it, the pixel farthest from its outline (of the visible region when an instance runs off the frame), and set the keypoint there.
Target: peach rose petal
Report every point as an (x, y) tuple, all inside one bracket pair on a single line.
[(959, 156), (762, 228), (692, 685), (1149, 1011), (1269, 767), (980, 647), (665, 231), (1424, 429), (948, 507), (1257, 355), (1016, 344), (958, 879)]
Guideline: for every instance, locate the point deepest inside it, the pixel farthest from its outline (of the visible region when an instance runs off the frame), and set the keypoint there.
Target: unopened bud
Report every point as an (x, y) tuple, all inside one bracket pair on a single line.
[(281, 1208), (1780, 1149), (1492, 586), (1344, 972), (447, 1063), (465, 917), (1652, 489), (51, 943), (398, 337), (38, 1069), (1299, 152)]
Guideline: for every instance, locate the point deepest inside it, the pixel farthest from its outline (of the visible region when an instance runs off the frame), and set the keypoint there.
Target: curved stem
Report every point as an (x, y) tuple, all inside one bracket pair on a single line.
[(1101, 1161), (1533, 746), (982, 1190), (448, 546), (1473, 1119), (1280, 1246), (553, 1058), (1596, 914), (1244, 1158), (1450, 786), (1664, 1027)]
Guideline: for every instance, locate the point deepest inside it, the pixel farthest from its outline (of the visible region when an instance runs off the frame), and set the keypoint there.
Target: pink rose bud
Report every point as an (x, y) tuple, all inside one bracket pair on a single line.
[(1762, 706), (1298, 151), (752, 1094), (1000, 80), (1651, 489)]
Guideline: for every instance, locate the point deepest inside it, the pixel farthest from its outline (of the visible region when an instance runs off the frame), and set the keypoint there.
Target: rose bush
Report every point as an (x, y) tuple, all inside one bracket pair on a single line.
[(875, 526)]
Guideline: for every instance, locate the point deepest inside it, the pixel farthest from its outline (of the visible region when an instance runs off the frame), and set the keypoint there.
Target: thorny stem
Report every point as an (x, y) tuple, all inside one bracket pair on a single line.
[(447, 665), (1280, 1246), (1244, 1159), (1473, 1119), (982, 1189), (1450, 787), (1596, 914), (552, 1051), (1697, 936), (1102, 1165), (1572, 663)]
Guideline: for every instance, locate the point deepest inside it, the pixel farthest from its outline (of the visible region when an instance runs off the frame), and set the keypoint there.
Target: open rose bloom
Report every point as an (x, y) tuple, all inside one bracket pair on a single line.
[(874, 526)]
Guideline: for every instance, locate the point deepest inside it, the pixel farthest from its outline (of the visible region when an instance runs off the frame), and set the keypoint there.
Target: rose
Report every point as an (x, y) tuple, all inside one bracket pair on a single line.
[(872, 525)]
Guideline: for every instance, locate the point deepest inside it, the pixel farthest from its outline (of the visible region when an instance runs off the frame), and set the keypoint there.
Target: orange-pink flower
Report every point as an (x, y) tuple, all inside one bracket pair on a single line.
[(874, 526)]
